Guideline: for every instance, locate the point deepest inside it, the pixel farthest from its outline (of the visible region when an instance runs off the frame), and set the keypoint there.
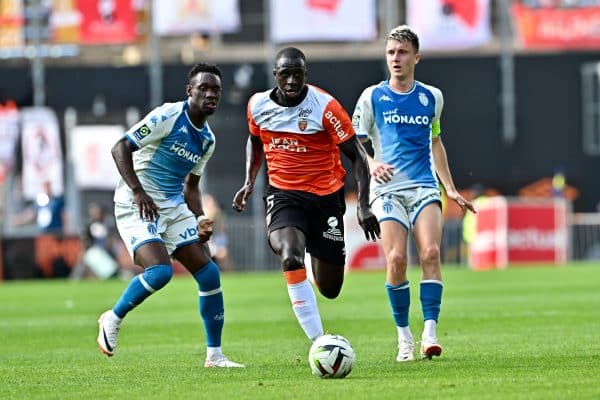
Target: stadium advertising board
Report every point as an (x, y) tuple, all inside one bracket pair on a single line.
[(450, 24), (182, 17), (328, 20), (90, 151), (570, 28), (519, 232)]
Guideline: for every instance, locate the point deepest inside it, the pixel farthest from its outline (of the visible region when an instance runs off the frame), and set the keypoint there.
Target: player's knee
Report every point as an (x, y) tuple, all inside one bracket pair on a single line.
[(158, 276), (430, 255), (291, 262), (397, 261)]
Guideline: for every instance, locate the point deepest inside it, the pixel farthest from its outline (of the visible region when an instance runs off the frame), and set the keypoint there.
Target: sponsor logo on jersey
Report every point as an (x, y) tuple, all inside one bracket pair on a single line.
[(142, 132), (286, 144), (333, 233), (336, 123), (385, 97), (183, 129), (393, 117), (423, 99), (179, 148), (154, 120)]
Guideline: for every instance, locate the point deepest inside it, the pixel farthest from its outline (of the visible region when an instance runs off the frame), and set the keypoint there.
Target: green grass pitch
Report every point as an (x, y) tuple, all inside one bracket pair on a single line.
[(521, 333)]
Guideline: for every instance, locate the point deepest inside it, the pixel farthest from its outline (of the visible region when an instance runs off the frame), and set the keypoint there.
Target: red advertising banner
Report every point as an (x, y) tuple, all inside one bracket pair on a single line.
[(107, 21), (557, 28), (518, 232)]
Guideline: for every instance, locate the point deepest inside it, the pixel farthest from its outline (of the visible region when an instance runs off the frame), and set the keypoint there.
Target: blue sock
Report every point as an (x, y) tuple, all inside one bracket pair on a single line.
[(431, 299), (211, 302), (142, 286), (399, 297)]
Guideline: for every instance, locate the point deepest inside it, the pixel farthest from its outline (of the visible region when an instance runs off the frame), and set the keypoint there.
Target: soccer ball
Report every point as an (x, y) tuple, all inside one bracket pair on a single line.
[(331, 356)]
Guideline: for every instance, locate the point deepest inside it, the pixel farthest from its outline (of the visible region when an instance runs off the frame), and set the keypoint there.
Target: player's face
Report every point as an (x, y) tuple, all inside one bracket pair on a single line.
[(401, 59), (204, 91), (290, 76)]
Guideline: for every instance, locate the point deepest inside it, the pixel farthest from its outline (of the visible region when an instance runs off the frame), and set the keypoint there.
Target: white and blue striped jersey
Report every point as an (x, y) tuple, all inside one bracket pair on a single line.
[(400, 127), (168, 147)]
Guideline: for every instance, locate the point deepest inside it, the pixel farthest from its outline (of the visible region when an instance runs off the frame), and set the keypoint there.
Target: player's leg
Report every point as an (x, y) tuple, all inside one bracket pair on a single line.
[(157, 273), (289, 244), (325, 242), (195, 257), (394, 222), (428, 233)]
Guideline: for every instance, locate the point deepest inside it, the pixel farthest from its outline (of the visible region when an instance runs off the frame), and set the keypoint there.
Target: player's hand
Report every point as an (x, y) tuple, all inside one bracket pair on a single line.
[(381, 172), (241, 197), (148, 209), (463, 203), (368, 222), (205, 229)]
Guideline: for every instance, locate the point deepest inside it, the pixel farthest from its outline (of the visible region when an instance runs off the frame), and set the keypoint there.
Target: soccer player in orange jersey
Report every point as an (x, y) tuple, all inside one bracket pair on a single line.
[(300, 130)]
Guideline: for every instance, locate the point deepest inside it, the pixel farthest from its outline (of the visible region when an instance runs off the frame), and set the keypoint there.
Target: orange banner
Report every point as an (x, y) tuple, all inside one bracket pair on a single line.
[(557, 28), (11, 23)]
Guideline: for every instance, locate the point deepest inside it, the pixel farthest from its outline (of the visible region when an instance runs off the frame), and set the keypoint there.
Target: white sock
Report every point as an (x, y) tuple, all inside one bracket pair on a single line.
[(304, 304), (114, 317), (404, 333), (213, 352), (429, 329)]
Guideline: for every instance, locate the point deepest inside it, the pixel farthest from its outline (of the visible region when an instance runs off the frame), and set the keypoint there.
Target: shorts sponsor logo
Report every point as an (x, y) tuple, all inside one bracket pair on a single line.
[(387, 207), (133, 240), (333, 233), (142, 132), (189, 233), (152, 229)]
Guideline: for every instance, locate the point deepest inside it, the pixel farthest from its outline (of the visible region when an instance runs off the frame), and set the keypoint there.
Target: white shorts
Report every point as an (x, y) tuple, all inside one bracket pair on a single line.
[(404, 206), (175, 227)]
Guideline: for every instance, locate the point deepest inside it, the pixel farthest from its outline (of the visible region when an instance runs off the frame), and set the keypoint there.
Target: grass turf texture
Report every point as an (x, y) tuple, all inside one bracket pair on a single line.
[(523, 333)]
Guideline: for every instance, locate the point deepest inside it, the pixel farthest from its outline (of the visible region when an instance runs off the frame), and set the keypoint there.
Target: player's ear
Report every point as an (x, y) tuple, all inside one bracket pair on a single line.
[(417, 58), (188, 90)]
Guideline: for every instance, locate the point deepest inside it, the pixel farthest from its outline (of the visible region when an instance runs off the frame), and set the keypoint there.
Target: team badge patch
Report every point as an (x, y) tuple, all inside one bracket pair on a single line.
[(423, 99), (142, 132), (302, 124)]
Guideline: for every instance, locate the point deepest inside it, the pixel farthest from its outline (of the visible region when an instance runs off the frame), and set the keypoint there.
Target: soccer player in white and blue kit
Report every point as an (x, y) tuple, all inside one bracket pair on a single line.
[(401, 117), (158, 207)]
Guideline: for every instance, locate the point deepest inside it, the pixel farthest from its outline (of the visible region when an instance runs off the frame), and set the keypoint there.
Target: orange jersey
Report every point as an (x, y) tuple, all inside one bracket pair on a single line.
[(300, 142)]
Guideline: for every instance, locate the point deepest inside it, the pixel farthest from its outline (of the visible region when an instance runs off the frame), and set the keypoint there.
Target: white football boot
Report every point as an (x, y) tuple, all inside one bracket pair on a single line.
[(430, 347), (406, 350), (220, 361), (108, 329)]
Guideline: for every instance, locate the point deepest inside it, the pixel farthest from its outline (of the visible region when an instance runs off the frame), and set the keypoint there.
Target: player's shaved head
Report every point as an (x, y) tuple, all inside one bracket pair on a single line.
[(290, 53)]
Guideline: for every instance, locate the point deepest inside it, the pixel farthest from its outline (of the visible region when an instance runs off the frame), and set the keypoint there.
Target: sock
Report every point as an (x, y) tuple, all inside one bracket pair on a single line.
[(431, 299), (429, 329), (404, 333), (210, 302), (304, 303), (399, 297), (213, 352), (142, 286)]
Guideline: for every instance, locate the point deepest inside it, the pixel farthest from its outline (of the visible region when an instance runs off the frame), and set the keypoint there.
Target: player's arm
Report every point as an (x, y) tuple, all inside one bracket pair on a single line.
[(193, 199), (443, 171), (363, 122), (360, 169), (122, 153), (254, 157)]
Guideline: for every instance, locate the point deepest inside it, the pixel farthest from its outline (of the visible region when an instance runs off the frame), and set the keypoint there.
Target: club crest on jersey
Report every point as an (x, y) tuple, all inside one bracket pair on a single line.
[(142, 132), (423, 99), (302, 124)]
